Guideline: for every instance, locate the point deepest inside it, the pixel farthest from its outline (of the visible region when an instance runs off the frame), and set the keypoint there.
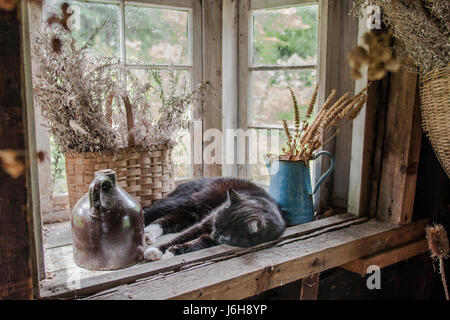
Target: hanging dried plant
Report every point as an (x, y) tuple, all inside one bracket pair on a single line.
[(70, 85), (308, 137), (376, 54), (439, 248), (422, 26), (11, 163)]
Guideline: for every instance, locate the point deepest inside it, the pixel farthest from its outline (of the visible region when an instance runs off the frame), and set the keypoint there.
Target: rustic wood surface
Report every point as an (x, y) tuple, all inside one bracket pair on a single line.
[(310, 287), (388, 257), (60, 264), (212, 72), (257, 271), (15, 226), (401, 150)]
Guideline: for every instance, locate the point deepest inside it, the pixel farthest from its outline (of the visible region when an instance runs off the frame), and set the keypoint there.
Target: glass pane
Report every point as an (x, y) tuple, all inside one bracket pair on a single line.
[(271, 100), (285, 36), (156, 36), (259, 171), (181, 154), (85, 18)]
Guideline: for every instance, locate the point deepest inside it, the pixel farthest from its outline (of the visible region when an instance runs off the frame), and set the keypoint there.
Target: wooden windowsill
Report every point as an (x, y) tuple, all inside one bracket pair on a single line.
[(225, 272)]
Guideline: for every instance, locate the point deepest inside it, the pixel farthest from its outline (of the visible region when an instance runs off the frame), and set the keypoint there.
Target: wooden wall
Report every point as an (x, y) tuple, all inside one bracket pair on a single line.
[(15, 227)]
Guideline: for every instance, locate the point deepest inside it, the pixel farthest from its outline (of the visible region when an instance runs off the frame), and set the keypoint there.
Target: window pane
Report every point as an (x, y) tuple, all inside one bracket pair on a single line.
[(181, 154), (285, 36), (85, 18), (259, 172), (271, 100), (156, 36)]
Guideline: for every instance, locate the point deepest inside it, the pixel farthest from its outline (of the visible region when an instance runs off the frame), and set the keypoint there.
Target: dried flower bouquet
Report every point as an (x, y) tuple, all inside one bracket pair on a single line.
[(308, 134), (89, 108)]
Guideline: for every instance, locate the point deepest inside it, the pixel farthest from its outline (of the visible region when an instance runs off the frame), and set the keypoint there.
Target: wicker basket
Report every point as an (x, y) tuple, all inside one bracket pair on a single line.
[(435, 109), (146, 175)]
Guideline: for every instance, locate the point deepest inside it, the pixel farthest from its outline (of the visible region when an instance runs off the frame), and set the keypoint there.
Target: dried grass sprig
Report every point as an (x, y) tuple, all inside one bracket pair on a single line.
[(309, 137), (312, 103), (439, 248)]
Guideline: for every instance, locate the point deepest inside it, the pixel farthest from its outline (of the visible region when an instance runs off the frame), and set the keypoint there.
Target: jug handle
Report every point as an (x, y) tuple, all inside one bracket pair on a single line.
[(94, 192), (327, 173)]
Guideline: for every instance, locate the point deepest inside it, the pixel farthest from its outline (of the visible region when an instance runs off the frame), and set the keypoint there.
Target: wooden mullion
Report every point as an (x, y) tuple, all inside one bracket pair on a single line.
[(212, 72)]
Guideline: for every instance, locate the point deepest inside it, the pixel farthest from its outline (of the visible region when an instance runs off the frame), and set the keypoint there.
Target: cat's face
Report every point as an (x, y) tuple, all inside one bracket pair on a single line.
[(240, 222)]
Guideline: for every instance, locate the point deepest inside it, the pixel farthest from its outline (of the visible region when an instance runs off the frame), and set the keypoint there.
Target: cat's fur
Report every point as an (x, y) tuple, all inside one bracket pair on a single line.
[(212, 211)]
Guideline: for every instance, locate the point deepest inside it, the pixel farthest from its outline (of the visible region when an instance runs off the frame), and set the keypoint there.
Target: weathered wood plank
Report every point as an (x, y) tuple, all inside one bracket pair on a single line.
[(240, 277), (387, 257), (16, 226), (212, 71), (310, 287), (57, 234), (58, 287), (401, 149)]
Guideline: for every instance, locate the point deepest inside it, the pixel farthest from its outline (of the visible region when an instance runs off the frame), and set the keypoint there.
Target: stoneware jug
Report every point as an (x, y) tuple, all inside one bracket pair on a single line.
[(290, 186), (107, 226)]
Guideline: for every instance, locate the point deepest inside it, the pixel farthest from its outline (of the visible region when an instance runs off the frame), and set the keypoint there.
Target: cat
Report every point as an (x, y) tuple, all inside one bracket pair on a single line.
[(212, 211)]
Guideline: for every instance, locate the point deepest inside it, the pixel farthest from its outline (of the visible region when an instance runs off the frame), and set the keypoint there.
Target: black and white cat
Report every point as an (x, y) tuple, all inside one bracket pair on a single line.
[(212, 211)]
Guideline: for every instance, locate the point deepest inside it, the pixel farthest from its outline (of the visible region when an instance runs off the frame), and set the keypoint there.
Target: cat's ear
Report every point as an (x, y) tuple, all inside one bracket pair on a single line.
[(254, 225), (233, 196)]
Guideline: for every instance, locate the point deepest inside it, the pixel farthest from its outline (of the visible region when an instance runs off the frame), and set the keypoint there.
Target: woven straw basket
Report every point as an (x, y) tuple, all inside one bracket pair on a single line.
[(435, 109), (146, 175)]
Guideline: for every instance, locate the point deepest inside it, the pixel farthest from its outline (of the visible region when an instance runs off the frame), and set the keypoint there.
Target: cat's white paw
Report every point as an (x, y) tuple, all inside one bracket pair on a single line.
[(153, 254), (168, 254), (152, 232)]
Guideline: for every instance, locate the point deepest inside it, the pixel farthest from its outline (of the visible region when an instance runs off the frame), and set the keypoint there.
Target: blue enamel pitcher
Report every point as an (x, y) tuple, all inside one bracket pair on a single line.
[(290, 186)]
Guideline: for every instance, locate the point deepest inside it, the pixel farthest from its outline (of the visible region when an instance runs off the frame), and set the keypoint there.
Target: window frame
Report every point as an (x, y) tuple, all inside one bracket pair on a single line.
[(193, 7), (193, 66), (246, 67)]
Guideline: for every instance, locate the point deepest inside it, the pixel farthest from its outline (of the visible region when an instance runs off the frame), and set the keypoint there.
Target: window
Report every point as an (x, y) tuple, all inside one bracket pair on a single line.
[(282, 52), (144, 37)]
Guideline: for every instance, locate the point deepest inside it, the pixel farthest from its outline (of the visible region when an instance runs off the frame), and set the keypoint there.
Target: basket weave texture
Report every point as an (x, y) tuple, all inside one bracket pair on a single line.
[(435, 109), (146, 175)]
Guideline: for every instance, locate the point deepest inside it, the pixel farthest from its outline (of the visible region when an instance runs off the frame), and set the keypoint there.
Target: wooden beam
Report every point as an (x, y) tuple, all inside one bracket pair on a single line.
[(16, 227), (388, 257), (105, 281), (401, 150), (289, 260), (310, 287)]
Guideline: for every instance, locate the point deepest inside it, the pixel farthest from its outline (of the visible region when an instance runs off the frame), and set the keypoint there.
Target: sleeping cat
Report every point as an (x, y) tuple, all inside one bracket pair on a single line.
[(212, 211)]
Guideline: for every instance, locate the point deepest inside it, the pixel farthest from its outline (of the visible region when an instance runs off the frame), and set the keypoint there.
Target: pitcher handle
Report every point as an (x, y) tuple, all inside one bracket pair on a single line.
[(94, 192), (327, 173)]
